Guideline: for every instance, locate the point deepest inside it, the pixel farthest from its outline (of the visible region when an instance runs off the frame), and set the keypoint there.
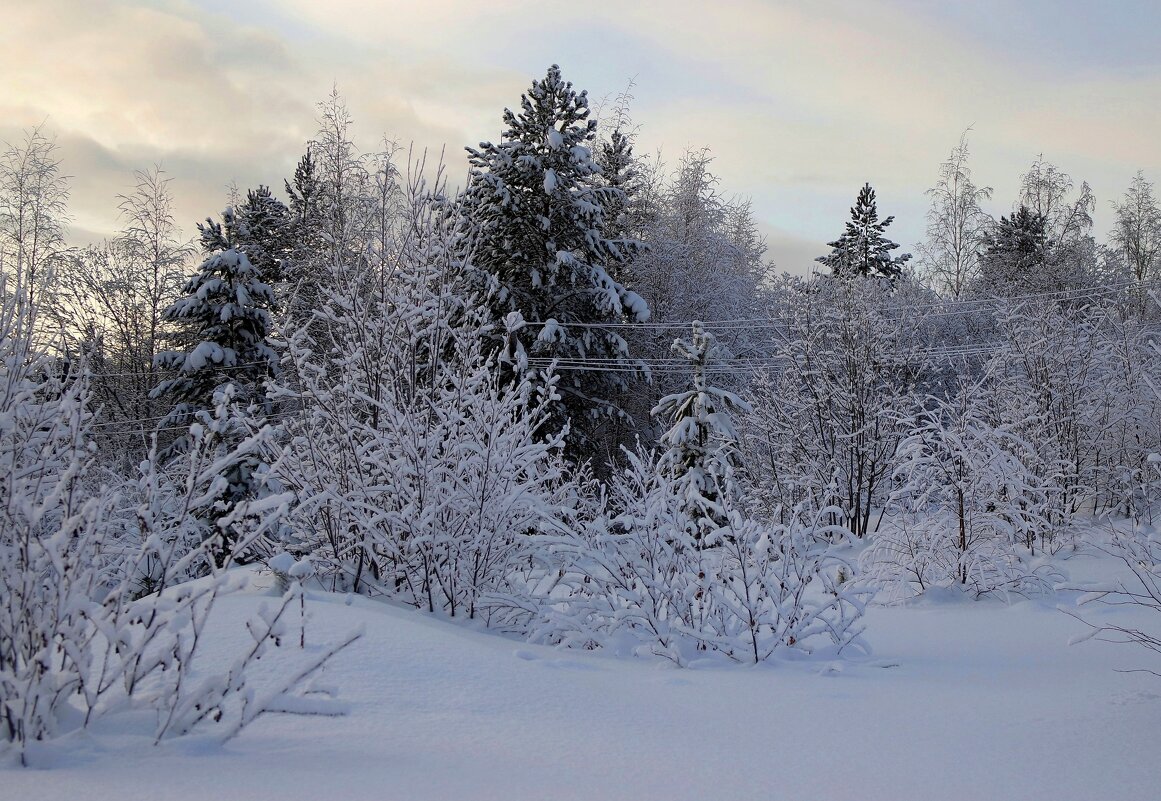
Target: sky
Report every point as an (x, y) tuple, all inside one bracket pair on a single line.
[(799, 102)]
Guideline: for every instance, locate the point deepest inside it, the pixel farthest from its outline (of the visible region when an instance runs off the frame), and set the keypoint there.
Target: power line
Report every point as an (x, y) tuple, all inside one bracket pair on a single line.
[(966, 306)]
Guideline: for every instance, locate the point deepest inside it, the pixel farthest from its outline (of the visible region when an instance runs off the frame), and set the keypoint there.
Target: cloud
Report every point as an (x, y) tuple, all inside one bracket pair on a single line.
[(800, 103)]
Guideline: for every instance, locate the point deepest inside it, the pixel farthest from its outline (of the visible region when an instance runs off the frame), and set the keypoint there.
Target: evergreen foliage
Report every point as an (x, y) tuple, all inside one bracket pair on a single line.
[(701, 448), (539, 217), (1017, 253), (226, 308), (260, 228), (863, 249)]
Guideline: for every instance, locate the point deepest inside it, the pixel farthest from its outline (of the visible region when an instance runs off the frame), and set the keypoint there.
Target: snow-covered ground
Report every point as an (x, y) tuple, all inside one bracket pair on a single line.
[(960, 700)]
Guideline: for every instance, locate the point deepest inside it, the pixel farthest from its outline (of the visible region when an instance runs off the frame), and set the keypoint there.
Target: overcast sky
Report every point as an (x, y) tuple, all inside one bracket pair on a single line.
[(801, 102)]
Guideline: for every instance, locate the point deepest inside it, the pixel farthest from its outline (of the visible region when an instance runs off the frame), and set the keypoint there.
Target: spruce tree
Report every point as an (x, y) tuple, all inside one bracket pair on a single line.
[(701, 447), (863, 249), (620, 172), (226, 309), (539, 217), (261, 228), (221, 378)]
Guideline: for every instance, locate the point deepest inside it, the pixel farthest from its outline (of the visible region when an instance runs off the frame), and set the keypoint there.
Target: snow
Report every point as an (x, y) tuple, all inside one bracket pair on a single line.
[(551, 332), (635, 307), (961, 700)]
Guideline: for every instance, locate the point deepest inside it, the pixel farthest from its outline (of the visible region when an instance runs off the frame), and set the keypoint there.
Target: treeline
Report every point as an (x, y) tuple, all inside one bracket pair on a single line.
[(572, 401)]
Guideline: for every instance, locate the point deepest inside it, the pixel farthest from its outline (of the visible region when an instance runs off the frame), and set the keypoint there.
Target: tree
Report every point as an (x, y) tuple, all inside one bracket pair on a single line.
[(226, 309), (1138, 546), (621, 172), (957, 226), (705, 261), (1068, 254), (343, 206), (260, 227), (1137, 233), (1017, 254), (109, 305), (701, 447), (826, 421), (33, 208), (1045, 190), (966, 498), (863, 249), (419, 467), (538, 216)]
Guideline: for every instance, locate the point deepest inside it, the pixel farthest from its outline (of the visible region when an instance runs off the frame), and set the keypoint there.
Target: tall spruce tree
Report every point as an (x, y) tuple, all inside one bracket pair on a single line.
[(539, 218), (863, 249), (220, 381)]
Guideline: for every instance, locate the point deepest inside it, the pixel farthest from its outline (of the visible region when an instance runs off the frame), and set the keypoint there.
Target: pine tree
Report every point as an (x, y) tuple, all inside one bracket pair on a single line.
[(701, 453), (1017, 254), (863, 249), (539, 218)]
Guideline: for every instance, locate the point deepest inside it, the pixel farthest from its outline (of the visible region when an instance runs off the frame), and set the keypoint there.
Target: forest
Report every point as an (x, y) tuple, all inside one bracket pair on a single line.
[(566, 399)]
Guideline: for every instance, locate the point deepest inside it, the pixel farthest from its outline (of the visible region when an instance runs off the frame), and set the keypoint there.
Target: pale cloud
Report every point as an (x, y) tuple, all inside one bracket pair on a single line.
[(800, 102)]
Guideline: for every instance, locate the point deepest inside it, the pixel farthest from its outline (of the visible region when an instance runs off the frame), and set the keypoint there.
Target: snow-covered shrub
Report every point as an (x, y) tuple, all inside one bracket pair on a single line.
[(967, 500), (825, 426), (637, 581), (782, 585), (418, 468), (77, 638), (670, 565)]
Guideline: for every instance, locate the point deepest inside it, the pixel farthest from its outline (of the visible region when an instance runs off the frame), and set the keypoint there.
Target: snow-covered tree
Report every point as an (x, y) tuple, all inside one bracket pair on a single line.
[(108, 307), (33, 210), (1016, 258), (700, 449), (1137, 233), (1049, 373), (826, 420), (226, 311), (1047, 191), (705, 262), (863, 249), (538, 217), (1046, 244), (1137, 545), (421, 470), (967, 499), (342, 203), (957, 226), (259, 227)]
